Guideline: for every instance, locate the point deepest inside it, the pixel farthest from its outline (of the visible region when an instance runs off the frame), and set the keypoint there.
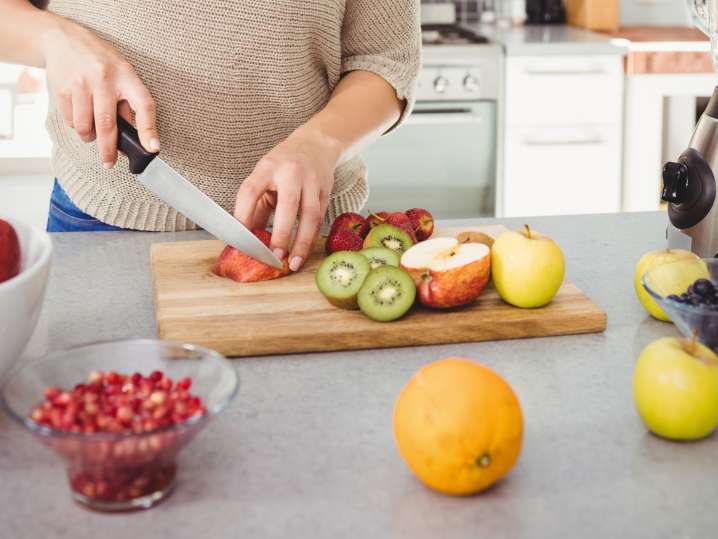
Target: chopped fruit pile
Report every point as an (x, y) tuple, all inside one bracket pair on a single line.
[(239, 267), (702, 293), (395, 230), (116, 403), (9, 252)]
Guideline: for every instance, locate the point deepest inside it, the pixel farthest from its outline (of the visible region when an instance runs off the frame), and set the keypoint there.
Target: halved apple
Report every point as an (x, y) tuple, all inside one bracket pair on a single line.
[(448, 273)]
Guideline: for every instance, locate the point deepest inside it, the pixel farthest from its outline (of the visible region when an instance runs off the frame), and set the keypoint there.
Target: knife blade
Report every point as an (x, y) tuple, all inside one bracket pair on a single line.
[(187, 199)]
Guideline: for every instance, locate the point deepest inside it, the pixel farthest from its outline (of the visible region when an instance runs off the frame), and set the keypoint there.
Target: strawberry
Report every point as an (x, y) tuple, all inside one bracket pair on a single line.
[(400, 220), (343, 240)]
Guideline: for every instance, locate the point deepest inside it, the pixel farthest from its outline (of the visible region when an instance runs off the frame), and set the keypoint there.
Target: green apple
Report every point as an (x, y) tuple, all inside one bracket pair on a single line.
[(527, 268), (675, 387), (673, 279)]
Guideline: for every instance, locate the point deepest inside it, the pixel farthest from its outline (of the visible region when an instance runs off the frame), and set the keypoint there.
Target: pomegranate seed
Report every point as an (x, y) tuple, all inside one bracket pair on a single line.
[(165, 384), (95, 377), (136, 378), (37, 415), (113, 378), (185, 384), (62, 399), (158, 397), (52, 392), (125, 414), (156, 376)]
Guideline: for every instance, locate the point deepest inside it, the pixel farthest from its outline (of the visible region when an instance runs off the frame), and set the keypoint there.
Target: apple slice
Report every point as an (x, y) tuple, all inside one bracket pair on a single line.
[(447, 273), (236, 265)]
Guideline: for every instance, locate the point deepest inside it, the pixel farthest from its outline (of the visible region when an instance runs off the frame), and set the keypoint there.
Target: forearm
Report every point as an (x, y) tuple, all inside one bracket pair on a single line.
[(362, 108), (23, 31)]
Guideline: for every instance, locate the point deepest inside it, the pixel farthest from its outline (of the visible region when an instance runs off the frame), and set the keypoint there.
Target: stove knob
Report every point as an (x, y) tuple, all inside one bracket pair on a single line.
[(441, 84), (471, 83)]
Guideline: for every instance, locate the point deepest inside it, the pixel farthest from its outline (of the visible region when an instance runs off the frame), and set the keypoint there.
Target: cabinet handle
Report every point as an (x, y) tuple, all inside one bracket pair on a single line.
[(563, 142), (558, 71)]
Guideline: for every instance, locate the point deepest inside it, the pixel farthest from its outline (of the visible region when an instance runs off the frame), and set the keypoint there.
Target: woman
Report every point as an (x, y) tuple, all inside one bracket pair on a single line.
[(264, 105)]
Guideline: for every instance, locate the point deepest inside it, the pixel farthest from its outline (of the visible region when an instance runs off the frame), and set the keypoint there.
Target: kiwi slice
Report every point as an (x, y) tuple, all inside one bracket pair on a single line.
[(340, 276), (387, 294), (381, 256), (390, 237)]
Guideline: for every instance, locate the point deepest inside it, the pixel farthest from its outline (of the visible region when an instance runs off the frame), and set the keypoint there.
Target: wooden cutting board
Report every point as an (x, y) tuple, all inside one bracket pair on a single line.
[(289, 315)]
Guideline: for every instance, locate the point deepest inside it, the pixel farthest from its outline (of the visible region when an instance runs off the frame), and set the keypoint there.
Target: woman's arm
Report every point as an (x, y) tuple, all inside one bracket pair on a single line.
[(297, 175), (88, 79)]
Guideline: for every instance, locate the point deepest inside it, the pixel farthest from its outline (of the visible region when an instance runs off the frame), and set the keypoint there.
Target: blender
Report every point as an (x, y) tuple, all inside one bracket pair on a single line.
[(690, 182)]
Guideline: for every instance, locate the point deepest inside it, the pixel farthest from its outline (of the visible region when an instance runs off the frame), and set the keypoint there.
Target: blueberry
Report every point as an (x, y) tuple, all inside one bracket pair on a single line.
[(673, 297), (703, 287)]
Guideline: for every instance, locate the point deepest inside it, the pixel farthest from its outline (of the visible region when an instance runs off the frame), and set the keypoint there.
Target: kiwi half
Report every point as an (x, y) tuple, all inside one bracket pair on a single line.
[(387, 294), (381, 256), (340, 276), (390, 237)]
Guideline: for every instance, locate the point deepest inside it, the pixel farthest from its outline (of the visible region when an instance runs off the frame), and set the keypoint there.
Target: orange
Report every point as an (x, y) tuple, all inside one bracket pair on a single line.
[(458, 426)]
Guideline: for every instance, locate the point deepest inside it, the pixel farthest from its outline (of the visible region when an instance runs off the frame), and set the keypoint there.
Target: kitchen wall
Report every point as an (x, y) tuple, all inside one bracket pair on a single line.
[(654, 13), (466, 10)]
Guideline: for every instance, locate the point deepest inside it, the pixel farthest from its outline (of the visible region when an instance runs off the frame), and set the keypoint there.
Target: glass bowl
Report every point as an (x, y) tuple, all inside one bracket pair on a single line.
[(691, 320), (121, 471)]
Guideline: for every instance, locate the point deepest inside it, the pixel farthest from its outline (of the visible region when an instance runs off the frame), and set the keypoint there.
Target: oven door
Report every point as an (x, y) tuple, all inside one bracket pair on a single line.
[(442, 159)]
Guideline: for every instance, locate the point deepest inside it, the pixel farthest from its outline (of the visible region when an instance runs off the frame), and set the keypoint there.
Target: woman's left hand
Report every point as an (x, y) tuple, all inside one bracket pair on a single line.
[(294, 178)]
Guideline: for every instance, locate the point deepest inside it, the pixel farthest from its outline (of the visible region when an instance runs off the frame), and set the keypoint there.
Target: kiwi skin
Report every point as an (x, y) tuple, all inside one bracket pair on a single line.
[(386, 272), (381, 256), (362, 269), (379, 235)]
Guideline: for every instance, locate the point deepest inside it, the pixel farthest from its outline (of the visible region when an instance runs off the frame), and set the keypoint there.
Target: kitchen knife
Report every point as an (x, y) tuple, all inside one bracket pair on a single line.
[(183, 196)]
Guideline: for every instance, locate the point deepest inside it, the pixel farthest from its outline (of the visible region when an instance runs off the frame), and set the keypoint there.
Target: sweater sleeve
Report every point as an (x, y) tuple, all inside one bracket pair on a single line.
[(384, 37)]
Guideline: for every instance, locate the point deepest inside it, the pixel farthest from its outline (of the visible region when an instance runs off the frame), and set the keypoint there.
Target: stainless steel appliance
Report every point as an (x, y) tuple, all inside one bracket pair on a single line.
[(690, 182), (444, 157), (545, 12)]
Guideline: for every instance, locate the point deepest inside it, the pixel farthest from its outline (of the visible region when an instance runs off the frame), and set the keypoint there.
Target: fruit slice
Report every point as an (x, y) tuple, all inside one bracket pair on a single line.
[(239, 267), (340, 276), (387, 294), (390, 237), (381, 256), (448, 273)]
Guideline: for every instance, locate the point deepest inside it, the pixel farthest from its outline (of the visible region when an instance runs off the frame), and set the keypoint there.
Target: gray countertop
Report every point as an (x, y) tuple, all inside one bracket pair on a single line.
[(553, 40), (307, 449)]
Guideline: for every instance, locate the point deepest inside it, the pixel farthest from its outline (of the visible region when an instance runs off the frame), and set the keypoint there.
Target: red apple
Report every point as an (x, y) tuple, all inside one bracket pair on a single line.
[(9, 252), (352, 222), (377, 218), (422, 222), (239, 267), (448, 273)]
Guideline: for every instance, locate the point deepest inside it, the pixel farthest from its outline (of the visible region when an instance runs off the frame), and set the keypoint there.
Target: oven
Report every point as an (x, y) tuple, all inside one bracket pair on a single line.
[(444, 157)]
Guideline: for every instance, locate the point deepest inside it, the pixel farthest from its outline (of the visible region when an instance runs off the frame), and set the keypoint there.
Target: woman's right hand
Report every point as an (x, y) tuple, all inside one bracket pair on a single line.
[(91, 83)]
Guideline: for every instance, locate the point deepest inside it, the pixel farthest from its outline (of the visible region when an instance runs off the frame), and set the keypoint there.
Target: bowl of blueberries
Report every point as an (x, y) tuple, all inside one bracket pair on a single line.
[(695, 311)]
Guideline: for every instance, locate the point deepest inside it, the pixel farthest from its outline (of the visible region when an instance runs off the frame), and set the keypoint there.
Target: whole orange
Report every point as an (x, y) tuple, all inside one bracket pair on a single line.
[(458, 426)]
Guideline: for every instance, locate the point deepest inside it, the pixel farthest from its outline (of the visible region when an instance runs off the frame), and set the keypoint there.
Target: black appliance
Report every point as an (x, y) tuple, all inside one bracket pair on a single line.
[(545, 12)]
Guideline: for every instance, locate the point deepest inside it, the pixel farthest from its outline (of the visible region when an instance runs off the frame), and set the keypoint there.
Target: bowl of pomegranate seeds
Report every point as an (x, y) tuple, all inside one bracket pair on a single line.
[(119, 413)]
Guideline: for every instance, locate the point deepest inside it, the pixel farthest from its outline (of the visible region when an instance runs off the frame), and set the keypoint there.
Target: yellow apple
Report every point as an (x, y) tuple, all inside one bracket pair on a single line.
[(674, 279), (527, 268), (675, 387)]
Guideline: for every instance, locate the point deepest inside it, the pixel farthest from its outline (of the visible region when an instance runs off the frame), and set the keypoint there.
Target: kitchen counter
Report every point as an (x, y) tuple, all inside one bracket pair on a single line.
[(307, 449), (551, 40)]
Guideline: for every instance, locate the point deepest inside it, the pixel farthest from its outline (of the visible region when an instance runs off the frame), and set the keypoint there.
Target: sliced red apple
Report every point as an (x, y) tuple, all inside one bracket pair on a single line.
[(447, 273), (239, 267)]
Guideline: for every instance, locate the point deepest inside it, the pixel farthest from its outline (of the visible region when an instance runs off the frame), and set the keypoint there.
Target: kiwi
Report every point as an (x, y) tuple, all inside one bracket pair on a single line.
[(387, 294), (340, 276), (388, 236), (381, 256)]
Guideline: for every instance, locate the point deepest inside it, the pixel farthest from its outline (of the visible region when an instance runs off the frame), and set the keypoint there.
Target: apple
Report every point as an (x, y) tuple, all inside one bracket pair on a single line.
[(422, 222), (673, 279), (527, 268), (9, 252), (447, 273), (675, 388), (377, 218), (239, 267), (353, 222)]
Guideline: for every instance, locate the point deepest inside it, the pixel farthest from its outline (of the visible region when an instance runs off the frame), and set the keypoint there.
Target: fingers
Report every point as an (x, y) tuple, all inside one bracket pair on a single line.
[(264, 209), (309, 223), (124, 110), (64, 105), (82, 117), (106, 126), (248, 196), (288, 197), (145, 113)]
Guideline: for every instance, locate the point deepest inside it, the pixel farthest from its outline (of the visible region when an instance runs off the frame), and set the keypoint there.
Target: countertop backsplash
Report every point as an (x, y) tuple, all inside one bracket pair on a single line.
[(466, 10)]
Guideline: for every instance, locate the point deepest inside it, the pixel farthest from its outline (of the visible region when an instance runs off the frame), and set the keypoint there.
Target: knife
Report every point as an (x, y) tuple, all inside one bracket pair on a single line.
[(183, 196)]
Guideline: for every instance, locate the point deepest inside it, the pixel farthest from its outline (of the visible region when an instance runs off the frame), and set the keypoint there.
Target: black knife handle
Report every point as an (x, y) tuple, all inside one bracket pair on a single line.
[(128, 142)]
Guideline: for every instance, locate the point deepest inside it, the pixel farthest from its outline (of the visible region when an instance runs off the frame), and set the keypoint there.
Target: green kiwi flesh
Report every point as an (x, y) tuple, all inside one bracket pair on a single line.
[(381, 256), (387, 294), (340, 277), (388, 236)]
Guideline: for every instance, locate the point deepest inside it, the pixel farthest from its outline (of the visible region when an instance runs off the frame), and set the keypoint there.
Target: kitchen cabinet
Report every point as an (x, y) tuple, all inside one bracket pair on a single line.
[(562, 135)]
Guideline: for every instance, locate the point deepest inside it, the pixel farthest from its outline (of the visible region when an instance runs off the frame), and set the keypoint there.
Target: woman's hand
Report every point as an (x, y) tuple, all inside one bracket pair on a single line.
[(295, 178), (90, 83)]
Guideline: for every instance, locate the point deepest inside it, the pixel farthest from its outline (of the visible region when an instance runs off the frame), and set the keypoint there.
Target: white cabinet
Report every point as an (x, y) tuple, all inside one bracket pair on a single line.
[(562, 135)]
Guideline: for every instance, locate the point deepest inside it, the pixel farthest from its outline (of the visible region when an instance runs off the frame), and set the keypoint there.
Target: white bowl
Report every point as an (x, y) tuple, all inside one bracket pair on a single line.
[(21, 297)]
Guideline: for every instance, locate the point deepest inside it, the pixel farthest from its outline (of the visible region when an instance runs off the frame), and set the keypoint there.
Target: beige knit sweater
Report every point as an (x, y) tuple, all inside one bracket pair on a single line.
[(231, 78)]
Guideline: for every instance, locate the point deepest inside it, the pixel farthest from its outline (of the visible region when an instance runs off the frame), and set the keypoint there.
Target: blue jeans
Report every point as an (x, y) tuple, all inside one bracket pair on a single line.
[(64, 216)]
